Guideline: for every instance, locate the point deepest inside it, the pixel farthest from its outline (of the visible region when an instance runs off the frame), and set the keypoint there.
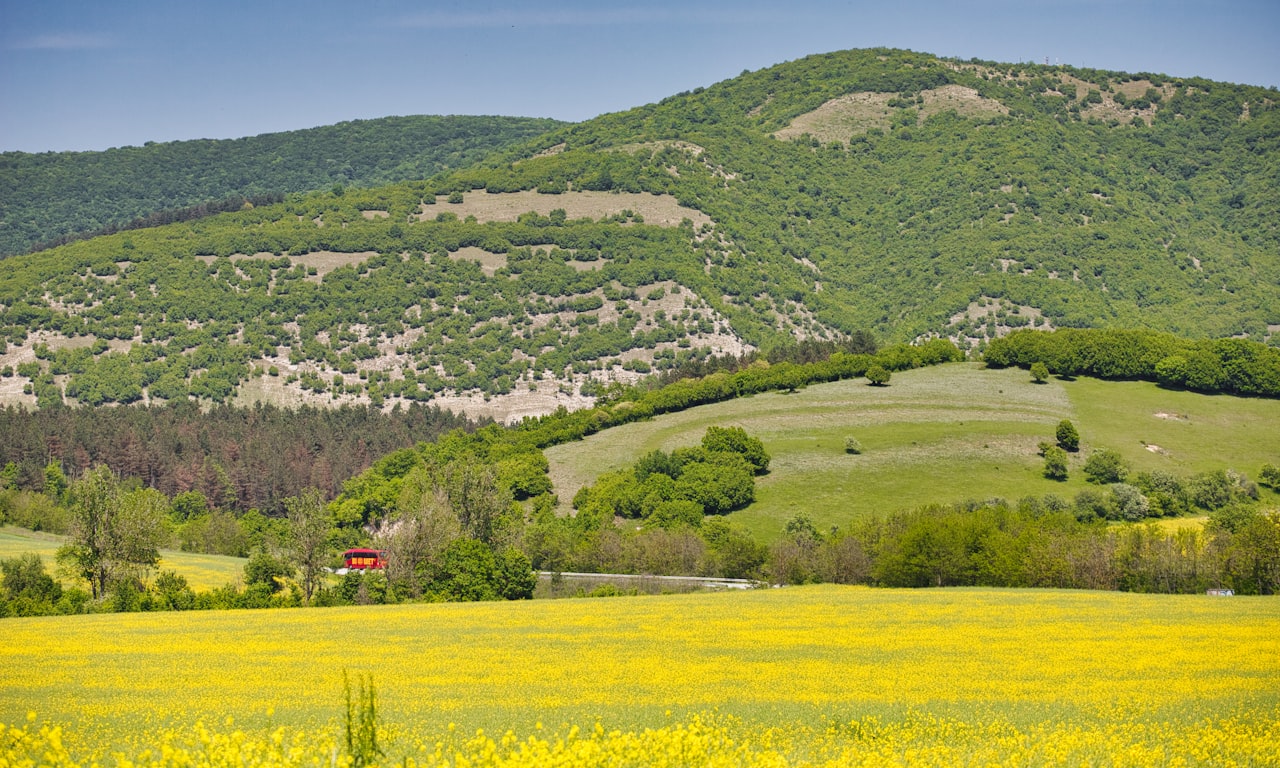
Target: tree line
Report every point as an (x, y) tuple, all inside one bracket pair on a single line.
[(1232, 366)]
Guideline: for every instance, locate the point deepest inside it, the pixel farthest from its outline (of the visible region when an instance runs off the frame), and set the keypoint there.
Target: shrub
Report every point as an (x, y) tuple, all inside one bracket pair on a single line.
[(1068, 437), (877, 375), (1055, 463), (852, 445), (1105, 467)]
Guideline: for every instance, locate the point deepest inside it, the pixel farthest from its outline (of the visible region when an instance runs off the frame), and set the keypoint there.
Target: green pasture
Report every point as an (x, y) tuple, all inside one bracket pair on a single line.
[(202, 572), (941, 434)]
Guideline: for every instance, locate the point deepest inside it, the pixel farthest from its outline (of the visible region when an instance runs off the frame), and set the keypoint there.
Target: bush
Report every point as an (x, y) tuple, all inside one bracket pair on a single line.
[(852, 445), (877, 376), (1068, 437), (1105, 467), (736, 440), (1039, 372), (1055, 463)]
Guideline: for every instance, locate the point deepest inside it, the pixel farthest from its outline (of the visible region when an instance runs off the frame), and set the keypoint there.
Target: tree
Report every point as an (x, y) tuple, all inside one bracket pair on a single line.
[(1039, 372), (736, 440), (113, 535), (173, 593), (852, 445), (1055, 463), (877, 375), (1068, 437), (1105, 467), (55, 481), (1269, 476), (29, 590), (477, 498), (416, 538), (720, 487), (1128, 502), (266, 569), (308, 537)]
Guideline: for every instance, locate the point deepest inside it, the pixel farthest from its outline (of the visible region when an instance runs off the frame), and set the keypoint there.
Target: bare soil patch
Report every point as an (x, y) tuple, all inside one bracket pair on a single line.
[(857, 113), (489, 262), (659, 210)]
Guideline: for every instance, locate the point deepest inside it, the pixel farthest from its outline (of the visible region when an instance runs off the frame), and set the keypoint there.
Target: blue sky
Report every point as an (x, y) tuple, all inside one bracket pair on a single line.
[(79, 75)]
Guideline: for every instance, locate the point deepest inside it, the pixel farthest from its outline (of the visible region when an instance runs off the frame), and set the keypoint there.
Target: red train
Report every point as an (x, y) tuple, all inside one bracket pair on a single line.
[(365, 559)]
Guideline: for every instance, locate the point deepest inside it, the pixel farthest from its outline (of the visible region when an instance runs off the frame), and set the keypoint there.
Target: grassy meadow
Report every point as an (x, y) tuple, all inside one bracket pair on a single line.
[(794, 676), (202, 572), (941, 434)]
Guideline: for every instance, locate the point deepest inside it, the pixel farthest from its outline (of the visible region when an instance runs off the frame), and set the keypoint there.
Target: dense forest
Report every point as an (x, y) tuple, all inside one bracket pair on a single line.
[(864, 191), (237, 458), (47, 196)]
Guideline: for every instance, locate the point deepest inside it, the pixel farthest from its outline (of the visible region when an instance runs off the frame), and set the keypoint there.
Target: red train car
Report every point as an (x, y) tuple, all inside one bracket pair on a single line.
[(365, 559)]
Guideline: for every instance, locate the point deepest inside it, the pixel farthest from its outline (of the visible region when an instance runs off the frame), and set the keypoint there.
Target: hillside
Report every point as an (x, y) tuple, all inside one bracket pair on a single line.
[(940, 435), (871, 190), (55, 194)]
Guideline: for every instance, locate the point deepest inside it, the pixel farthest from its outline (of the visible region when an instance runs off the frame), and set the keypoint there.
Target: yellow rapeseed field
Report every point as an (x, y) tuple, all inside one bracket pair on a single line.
[(798, 676)]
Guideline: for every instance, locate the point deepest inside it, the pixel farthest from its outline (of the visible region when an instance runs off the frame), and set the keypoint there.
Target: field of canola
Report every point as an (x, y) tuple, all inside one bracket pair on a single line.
[(800, 676)]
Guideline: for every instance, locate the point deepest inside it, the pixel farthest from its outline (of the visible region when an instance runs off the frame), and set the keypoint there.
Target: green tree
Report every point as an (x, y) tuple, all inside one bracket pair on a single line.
[(1055, 463), (28, 589), (172, 593), (1269, 476), (1039, 372), (416, 537), (719, 488), (265, 568), (1105, 467), (113, 535), (1068, 437), (9, 477), (736, 440), (878, 375), (308, 537), (55, 481)]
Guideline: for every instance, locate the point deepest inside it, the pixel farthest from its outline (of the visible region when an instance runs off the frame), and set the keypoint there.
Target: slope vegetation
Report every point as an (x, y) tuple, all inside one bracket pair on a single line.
[(873, 190), (939, 435), (55, 194)]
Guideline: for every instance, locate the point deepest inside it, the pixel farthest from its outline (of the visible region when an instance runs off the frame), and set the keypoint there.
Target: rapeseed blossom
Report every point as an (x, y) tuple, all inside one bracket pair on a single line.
[(822, 676)]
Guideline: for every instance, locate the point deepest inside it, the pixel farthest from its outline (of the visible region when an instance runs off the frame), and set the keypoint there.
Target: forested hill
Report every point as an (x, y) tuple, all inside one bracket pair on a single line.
[(874, 191), (54, 194)]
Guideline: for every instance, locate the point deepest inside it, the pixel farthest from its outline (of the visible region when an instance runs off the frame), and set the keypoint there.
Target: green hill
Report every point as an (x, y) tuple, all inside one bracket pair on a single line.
[(869, 190), (57, 194), (940, 435)]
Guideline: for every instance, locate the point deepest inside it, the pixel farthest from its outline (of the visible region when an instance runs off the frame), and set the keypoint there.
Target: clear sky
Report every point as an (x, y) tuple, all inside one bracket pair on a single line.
[(93, 74)]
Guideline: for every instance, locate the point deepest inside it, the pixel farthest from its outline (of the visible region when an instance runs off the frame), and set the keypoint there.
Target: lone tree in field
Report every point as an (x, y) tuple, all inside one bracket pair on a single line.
[(1105, 467), (1039, 372), (113, 534), (1068, 437), (1055, 463), (877, 375), (308, 537)]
